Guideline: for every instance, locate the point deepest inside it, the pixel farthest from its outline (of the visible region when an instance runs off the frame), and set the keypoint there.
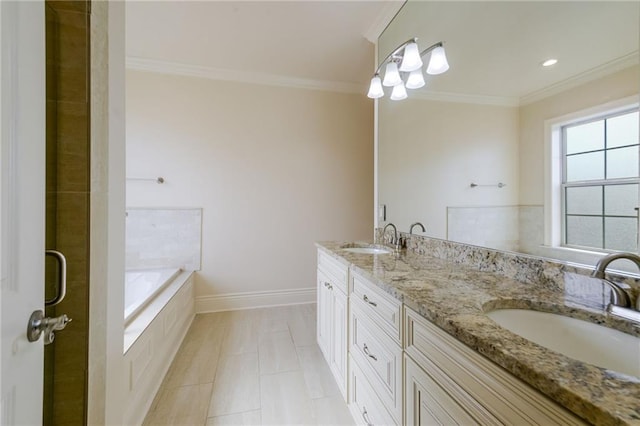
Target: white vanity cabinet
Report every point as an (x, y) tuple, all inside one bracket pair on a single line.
[(375, 352), (397, 368), (448, 383), (333, 316)]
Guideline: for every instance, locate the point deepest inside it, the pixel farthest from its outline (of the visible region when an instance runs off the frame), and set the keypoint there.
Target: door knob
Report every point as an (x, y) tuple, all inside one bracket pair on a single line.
[(39, 324)]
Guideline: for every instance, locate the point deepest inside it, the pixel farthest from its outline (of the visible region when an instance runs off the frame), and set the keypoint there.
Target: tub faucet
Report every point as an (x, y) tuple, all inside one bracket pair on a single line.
[(394, 240), (416, 224), (620, 302)]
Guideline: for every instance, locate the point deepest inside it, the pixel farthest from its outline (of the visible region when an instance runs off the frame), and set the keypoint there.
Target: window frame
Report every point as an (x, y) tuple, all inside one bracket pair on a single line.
[(604, 115)]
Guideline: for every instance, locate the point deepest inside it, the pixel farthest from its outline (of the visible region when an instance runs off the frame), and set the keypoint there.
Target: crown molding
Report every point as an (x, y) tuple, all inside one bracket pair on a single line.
[(465, 98), (176, 68), (593, 74), (384, 17), (601, 71)]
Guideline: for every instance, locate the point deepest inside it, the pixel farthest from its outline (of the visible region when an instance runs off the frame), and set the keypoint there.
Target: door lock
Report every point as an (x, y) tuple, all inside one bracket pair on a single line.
[(39, 324)]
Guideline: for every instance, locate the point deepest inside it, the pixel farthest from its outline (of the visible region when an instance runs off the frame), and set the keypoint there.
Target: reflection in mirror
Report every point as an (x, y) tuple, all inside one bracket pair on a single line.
[(552, 150)]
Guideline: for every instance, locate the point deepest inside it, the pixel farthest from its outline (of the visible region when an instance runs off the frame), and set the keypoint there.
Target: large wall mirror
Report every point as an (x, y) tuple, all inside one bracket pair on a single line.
[(499, 119)]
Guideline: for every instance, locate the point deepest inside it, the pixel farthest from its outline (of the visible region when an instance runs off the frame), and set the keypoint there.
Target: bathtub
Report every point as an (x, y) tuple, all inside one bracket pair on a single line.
[(140, 287), (152, 337)]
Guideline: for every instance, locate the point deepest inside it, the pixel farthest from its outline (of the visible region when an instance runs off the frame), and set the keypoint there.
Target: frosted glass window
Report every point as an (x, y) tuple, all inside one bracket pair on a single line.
[(621, 233), (585, 137), (585, 166), (622, 162), (584, 231), (620, 200), (584, 200), (601, 182), (623, 130)]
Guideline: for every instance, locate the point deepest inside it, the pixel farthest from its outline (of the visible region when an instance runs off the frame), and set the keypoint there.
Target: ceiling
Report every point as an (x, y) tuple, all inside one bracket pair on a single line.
[(315, 40), (495, 49)]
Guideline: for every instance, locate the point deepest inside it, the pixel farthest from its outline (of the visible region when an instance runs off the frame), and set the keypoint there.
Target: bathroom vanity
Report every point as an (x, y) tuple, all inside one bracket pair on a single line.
[(409, 341)]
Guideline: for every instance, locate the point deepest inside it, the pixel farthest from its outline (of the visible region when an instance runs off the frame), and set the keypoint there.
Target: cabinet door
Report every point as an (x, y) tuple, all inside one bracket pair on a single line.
[(339, 339), (324, 315), (426, 403)]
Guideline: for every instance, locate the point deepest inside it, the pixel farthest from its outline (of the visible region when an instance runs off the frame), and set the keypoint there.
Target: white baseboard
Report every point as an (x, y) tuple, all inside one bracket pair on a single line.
[(255, 299)]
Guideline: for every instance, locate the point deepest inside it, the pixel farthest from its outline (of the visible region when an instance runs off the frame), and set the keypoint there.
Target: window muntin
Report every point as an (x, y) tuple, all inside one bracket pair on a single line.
[(600, 182)]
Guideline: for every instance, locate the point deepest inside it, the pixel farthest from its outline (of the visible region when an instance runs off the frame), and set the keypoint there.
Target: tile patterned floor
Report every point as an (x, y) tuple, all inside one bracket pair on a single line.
[(252, 367)]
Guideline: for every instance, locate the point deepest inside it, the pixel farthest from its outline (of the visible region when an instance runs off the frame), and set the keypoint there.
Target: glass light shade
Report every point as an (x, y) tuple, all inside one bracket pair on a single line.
[(399, 92), (375, 89), (415, 80), (438, 62), (411, 58), (391, 75)]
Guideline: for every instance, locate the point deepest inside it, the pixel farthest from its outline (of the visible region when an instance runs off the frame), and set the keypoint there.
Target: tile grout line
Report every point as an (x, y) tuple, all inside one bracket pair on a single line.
[(225, 327), (259, 379)]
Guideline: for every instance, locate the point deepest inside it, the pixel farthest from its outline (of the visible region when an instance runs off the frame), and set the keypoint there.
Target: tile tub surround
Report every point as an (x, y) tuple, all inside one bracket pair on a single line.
[(455, 296), (162, 238)]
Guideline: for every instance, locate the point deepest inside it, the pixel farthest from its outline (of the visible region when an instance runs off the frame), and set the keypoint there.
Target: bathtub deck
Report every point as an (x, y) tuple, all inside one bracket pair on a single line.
[(139, 323)]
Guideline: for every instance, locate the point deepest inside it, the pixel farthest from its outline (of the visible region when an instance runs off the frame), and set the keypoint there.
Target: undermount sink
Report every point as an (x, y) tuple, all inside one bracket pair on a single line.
[(362, 248), (367, 250), (577, 339)]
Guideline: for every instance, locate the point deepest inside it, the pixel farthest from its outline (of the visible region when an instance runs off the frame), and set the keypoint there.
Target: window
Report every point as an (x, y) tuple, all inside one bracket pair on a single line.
[(600, 182)]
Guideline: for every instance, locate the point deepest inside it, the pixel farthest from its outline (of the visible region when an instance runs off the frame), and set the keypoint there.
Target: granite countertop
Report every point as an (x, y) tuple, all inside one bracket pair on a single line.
[(455, 297)]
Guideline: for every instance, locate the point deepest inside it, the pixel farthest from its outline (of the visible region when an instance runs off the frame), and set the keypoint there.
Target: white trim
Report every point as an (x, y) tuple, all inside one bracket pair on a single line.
[(254, 299), (559, 87), (382, 20), (176, 68), (465, 99), (8, 150), (593, 74), (552, 163), (376, 169)]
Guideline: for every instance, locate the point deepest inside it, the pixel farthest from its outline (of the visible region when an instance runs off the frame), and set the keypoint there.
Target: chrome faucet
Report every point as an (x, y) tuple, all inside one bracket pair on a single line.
[(416, 224), (394, 240), (620, 302)]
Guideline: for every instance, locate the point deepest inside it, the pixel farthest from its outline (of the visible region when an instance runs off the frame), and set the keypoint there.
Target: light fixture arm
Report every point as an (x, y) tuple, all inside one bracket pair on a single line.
[(402, 46)]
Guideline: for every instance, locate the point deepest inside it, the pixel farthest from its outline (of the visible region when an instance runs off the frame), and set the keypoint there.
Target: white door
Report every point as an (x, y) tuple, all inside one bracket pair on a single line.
[(22, 196)]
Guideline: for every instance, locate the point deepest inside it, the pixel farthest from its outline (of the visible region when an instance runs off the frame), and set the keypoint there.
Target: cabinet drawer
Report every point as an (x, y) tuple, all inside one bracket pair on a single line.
[(334, 270), (382, 308), (380, 359), (365, 406), (483, 388)]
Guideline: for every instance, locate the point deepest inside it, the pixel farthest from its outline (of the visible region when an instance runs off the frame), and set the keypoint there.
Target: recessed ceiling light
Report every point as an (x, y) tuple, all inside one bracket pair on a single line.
[(549, 62)]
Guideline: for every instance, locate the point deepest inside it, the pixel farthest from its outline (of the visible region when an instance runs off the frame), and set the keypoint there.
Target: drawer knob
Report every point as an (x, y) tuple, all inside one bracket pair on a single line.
[(370, 355), (365, 416), (366, 299)]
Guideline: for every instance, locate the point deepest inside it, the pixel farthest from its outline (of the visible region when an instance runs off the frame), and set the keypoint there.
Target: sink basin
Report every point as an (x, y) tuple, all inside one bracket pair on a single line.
[(367, 250), (577, 339)]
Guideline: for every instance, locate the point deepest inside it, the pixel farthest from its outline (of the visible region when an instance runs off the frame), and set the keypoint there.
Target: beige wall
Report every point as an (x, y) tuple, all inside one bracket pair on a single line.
[(273, 168), (532, 117), (431, 151)]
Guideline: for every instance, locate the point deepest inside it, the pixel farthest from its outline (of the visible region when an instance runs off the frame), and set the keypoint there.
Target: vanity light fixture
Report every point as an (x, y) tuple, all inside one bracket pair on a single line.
[(410, 59), (549, 62)]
